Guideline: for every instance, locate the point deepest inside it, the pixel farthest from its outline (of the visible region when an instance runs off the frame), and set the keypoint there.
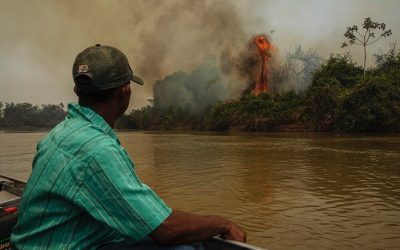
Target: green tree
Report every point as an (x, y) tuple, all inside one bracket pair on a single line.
[(220, 116), (371, 106), (340, 67), (388, 64), (320, 103), (50, 115), (336, 76), (1, 114), (367, 37), (19, 115), (254, 113)]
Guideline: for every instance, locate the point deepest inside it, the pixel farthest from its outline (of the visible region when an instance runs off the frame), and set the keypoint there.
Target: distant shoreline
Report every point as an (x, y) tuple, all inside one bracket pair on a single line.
[(24, 129), (231, 132)]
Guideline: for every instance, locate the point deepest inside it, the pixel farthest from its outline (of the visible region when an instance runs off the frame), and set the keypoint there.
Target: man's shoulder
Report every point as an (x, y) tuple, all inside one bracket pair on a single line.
[(80, 140)]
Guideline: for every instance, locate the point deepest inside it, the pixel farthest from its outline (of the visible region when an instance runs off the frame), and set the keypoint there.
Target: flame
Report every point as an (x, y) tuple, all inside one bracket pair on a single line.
[(265, 50)]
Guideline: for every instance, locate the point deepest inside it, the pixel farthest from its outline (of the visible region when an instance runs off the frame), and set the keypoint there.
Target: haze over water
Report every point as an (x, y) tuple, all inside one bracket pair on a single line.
[(289, 191)]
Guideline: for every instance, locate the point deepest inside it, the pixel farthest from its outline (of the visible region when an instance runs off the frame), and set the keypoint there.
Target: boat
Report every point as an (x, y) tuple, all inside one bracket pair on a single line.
[(10, 196), (11, 190)]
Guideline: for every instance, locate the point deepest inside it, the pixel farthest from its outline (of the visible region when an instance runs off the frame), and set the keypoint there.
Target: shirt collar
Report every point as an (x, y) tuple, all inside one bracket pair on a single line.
[(77, 111)]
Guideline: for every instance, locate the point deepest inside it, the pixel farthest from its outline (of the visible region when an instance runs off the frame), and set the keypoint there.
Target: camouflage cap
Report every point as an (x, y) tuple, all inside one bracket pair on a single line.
[(100, 68)]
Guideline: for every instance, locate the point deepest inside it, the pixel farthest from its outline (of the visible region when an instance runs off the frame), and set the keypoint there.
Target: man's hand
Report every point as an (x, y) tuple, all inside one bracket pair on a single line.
[(234, 232), (183, 227)]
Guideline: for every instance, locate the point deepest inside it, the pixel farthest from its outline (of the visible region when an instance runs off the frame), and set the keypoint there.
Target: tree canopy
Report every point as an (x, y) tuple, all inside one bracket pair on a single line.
[(366, 37)]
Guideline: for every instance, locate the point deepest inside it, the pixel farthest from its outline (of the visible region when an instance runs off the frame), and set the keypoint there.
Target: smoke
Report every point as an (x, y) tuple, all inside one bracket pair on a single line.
[(159, 38), (230, 74), (299, 66), (40, 39), (193, 91)]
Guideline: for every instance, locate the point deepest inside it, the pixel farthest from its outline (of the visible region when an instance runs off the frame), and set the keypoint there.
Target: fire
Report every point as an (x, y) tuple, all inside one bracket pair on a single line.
[(265, 50)]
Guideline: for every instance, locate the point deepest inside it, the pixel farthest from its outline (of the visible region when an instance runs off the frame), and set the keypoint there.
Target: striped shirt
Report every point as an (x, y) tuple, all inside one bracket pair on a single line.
[(83, 190)]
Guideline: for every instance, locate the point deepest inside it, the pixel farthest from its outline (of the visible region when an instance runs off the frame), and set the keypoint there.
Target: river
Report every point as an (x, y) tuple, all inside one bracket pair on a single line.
[(289, 191)]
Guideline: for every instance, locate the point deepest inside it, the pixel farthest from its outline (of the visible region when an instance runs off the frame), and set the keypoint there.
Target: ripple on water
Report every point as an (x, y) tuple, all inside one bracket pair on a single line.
[(288, 191)]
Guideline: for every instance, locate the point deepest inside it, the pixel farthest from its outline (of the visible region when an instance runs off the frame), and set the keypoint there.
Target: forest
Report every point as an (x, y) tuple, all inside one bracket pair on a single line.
[(337, 96), (28, 116)]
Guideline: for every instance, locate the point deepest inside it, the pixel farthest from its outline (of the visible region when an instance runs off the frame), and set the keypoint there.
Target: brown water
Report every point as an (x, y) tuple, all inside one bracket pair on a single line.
[(289, 191)]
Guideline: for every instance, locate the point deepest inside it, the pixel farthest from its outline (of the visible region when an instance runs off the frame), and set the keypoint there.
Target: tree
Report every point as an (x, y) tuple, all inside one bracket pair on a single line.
[(1, 110), (389, 64), (340, 67), (373, 105), (366, 38), (321, 100), (336, 75), (302, 64), (1, 114)]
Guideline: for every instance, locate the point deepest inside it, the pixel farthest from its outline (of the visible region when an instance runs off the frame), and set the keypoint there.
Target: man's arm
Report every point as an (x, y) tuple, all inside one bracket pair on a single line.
[(183, 227)]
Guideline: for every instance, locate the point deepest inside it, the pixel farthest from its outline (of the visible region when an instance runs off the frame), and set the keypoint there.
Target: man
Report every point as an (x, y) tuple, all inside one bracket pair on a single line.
[(83, 192)]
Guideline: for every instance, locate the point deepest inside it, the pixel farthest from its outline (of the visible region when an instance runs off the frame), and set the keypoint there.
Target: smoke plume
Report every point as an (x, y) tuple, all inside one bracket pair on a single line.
[(196, 90), (40, 39), (159, 38)]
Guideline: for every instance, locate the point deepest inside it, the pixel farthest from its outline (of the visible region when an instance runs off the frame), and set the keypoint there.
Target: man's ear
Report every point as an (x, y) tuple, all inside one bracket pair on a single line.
[(125, 89)]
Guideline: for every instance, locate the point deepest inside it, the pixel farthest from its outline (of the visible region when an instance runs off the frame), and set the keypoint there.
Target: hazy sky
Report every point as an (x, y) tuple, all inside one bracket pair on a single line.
[(40, 39)]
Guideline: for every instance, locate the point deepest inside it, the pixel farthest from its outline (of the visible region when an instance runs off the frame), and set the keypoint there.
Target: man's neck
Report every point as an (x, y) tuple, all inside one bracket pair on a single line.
[(108, 111)]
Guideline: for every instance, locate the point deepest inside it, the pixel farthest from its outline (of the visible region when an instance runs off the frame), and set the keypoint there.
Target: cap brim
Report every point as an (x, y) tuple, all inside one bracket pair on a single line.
[(137, 79)]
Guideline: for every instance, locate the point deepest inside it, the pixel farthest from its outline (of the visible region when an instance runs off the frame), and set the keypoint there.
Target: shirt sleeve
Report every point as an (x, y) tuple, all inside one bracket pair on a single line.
[(112, 193)]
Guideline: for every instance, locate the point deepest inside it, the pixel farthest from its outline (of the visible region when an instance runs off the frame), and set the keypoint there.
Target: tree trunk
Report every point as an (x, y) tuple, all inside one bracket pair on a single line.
[(365, 57)]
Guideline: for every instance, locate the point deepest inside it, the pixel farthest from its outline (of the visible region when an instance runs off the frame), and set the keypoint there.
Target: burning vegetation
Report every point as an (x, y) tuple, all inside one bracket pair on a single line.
[(265, 50), (256, 90), (338, 97), (253, 70), (248, 86)]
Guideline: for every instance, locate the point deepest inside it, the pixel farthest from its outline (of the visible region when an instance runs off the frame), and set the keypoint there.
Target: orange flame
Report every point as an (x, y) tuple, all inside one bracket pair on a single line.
[(265, 49)]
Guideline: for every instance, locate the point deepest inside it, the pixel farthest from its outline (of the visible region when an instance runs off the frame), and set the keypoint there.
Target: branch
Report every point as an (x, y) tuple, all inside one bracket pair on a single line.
[(358, 33), (384, 34), (302, 71), (359, 40), (375, 40), (369, 35)]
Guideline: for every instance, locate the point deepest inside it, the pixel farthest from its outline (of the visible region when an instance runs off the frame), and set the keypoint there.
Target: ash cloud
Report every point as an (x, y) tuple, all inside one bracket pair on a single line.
[(192, 91), (41, 38), (215, 79), (159, 38)]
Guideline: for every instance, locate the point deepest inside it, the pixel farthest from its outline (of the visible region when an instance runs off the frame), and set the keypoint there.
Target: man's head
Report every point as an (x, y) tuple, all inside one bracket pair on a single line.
[(102, 73)]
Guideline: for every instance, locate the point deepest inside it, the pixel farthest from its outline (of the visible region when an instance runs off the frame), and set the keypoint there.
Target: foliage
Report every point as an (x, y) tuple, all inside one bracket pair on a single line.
[(341, 100), (371, 106), (338, 99), (367, 37), (341, 68), (254, 113), (155, 118), (328, 82), (320, 103), (22, 115), (388, 64)]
